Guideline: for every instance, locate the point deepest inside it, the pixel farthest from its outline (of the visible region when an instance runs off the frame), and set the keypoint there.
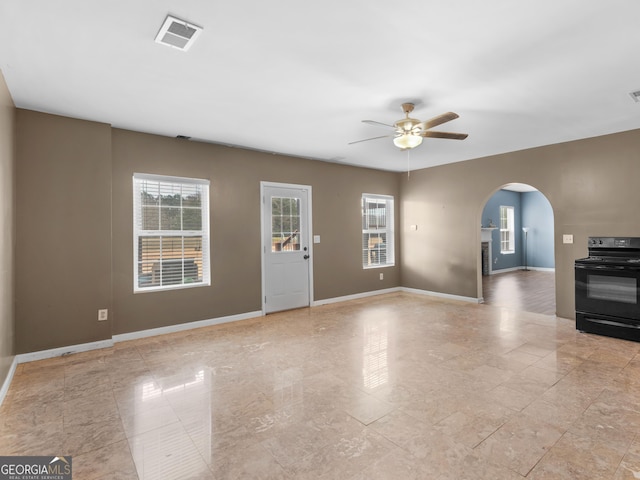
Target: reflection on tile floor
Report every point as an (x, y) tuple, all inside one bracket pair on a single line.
[(397, 386)]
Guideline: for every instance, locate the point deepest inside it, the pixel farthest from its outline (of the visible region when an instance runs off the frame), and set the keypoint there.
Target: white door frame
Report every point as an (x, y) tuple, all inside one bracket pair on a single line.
[(309, 234)]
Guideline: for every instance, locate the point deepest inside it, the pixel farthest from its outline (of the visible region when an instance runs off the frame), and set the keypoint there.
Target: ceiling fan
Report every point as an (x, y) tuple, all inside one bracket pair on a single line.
[(409, 132)]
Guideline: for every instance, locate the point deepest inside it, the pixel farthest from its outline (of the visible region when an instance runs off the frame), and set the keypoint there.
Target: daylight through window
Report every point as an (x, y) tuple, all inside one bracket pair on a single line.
[(171, 232), (377, 231), (507, 230)]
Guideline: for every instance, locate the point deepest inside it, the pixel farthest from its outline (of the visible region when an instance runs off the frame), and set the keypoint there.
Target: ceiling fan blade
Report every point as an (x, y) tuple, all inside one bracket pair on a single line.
[(439, 120), (378, 124), (449, 135), (373, 138)]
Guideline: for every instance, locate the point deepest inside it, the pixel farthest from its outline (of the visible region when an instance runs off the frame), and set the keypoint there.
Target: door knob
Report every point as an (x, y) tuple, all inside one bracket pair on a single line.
[(306, 257)]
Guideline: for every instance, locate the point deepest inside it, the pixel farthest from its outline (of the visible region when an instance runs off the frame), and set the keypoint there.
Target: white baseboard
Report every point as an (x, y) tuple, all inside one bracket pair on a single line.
[(355, 296), (514, 269), (7, 380), (505, 270), (123, 337), (393, 290), (58, 352), (441, 295), (85, 347)]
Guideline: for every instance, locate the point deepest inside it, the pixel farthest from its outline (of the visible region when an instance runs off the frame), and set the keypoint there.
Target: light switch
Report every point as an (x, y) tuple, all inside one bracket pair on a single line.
[(567, 238), (316, 239), (414, 227)]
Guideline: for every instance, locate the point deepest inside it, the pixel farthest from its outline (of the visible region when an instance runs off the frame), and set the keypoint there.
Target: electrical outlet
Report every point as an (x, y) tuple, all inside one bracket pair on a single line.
[(567, 238), (103, 314), (382, 276)]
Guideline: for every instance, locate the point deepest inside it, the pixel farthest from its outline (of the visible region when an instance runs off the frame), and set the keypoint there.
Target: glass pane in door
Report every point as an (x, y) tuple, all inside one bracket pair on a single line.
[(285, 224)]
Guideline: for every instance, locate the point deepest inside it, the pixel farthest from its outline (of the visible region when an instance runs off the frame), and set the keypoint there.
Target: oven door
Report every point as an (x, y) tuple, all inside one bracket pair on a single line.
[(610, 290)]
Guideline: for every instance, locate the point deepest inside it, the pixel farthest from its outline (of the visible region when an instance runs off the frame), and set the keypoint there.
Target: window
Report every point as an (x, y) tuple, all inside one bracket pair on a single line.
[(377, 231), (170, 232), (507, 230), (285, 224)]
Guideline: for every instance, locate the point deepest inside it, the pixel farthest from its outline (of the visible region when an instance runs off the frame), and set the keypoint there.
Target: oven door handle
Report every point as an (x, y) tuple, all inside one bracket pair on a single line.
[(611, 268)]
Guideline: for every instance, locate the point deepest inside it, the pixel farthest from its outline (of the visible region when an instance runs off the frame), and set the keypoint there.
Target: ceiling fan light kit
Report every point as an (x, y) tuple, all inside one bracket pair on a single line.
[(407, 141), (409, 132)]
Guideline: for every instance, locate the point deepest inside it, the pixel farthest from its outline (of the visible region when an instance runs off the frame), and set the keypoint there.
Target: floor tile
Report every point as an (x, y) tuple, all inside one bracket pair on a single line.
[(83, 439), (392, 386), (629, 468), (112, 461), (520, 443), (343, 457), (250, 462), (167, 452), (578, 457), (398, 463)]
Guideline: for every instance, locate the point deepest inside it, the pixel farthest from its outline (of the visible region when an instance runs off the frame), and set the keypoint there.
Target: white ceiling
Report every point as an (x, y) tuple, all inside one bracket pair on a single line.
[(519, 187), (298, 77)]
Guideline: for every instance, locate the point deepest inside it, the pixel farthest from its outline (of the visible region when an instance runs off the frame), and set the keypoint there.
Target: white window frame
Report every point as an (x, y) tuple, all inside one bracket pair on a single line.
[(138, 232), (388, 231), (507, 230)]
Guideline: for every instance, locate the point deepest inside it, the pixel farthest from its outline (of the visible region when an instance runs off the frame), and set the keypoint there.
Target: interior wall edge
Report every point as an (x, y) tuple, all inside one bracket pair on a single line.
[(7, 233), (180, 327), (590, 184), (442, 295), (356, 296), (8, 379)]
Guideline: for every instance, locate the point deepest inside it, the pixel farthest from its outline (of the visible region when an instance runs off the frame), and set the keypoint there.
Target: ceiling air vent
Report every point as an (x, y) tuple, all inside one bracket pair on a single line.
[(635, 96), (177, 33)]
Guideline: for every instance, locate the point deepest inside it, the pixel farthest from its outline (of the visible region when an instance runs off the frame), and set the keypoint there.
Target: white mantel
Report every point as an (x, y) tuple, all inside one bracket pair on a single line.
[(485, 235)]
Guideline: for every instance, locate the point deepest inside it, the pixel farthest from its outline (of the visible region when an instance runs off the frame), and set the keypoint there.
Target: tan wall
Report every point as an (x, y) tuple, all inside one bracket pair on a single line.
[(75, 257), (74, 250), (235, 176), (7, 230), (63, 231), (592, 186)]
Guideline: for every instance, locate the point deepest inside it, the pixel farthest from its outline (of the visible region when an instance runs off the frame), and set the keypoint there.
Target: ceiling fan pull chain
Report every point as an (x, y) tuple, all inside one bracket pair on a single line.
[(408, 163)]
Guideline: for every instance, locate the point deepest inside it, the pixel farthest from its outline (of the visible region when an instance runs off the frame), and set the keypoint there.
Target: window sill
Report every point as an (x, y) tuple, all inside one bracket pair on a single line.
[(371, 267), (171, 288)]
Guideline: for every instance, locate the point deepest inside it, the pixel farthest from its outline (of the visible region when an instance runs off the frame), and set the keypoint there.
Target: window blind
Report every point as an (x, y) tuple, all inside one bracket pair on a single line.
[(171, 232), (377, 231)]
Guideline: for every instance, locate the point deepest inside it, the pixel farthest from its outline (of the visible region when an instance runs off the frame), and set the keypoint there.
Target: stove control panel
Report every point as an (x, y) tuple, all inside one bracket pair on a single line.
[(613, 242)]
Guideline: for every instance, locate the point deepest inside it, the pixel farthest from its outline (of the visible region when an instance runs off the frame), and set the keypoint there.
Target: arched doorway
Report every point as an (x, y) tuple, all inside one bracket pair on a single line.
[(517, 258)]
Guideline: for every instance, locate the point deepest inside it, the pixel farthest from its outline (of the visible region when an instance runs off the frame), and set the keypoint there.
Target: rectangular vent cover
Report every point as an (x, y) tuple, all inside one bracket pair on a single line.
[(178, 33)]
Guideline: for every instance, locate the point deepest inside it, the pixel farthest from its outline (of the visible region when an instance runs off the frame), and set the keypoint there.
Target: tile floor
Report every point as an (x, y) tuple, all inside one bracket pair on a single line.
[(397, 386)]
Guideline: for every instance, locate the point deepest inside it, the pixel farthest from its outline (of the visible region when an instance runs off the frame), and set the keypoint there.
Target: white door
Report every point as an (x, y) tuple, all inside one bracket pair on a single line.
[(286, 246)]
